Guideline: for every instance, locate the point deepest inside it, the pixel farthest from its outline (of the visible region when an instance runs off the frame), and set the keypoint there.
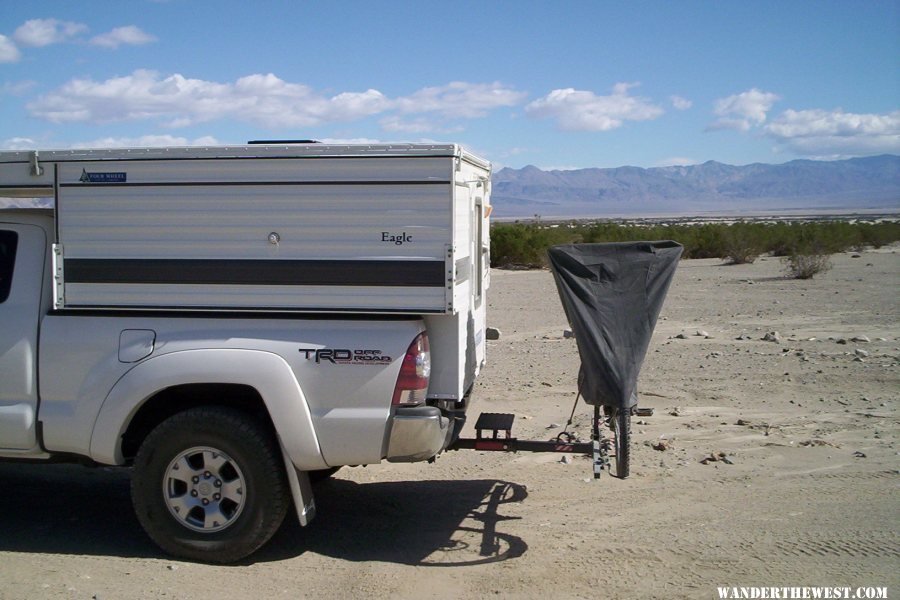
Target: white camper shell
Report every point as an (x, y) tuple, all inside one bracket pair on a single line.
[(276, 227)]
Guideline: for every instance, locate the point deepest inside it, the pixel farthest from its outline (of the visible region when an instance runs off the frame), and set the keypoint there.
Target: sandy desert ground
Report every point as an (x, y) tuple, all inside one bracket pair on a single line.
[(808, 495)]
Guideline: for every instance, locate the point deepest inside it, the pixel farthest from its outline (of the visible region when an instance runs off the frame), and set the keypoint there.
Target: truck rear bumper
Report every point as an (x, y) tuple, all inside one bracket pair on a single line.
[(417, 433)]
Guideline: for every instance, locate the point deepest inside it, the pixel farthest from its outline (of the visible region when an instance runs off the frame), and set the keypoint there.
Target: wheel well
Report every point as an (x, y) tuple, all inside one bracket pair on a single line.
[(176, 399)]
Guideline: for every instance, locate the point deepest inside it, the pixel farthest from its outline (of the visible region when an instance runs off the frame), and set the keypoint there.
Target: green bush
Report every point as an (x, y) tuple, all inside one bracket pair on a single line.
[(521, 245), (805, 266), (878, 234), (743, 243), (525, 244)]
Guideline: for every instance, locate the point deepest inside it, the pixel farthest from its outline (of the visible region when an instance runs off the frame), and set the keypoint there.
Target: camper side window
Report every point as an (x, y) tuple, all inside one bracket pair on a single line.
[(8, 240)]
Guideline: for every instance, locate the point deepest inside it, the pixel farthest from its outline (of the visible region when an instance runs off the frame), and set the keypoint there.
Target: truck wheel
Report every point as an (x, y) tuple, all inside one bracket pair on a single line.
[(209, 485)]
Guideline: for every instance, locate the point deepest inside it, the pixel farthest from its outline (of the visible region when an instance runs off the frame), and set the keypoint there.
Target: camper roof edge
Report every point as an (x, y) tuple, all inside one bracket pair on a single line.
[(245, 151)]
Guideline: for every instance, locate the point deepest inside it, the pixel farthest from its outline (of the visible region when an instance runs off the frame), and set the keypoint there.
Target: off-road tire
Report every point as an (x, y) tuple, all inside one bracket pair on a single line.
[(620, 423), (253, 453)]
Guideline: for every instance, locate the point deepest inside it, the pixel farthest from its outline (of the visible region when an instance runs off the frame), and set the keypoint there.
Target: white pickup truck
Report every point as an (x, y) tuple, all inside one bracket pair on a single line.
[(229, 320)]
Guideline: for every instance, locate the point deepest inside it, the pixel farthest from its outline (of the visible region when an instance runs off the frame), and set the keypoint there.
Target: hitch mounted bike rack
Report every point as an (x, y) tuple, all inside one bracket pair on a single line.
[(488, 438), (489, 426)]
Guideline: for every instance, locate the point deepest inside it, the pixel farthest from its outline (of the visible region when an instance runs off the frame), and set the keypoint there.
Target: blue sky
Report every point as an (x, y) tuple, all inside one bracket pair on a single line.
[(554, 84)]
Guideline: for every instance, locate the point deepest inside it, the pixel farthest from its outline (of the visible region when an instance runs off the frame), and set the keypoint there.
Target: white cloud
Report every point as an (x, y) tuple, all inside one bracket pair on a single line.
[(457, 99), (814, 133), (681, 103), (742, 111), (514, 151), (549, 168), (43, 32), (461, 99), (726, 123), (144, 141), (678, 161), (340, 141), (129, 35), (836, 134), (8, 51), (16, 89), (18, 143), (576, 110), (397, 124), (260, 99)]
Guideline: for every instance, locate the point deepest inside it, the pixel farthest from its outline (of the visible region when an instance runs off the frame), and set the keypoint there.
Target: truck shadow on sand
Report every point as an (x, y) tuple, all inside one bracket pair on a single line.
[(424, 523), (69, 509)]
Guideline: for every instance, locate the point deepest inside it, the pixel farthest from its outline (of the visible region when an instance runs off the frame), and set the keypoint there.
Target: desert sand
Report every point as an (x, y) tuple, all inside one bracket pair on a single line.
[(807, 497)]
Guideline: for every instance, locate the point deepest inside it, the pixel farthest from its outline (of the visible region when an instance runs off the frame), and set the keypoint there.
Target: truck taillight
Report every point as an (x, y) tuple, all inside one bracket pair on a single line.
[(412, 383)]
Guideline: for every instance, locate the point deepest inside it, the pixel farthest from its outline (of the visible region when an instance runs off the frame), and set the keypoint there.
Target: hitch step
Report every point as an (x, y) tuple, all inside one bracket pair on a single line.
[(495, 422)]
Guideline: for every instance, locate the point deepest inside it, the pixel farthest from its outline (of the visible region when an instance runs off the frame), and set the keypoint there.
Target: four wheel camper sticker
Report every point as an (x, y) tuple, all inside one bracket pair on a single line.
[(101, 177), (343, 356)]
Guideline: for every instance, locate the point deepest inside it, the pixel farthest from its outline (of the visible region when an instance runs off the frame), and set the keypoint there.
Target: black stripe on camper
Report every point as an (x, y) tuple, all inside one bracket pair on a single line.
[(120, 184), (390, 273)]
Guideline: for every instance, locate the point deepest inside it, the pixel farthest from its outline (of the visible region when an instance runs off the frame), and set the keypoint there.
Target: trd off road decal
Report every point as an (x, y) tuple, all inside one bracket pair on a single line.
[(343, 356)]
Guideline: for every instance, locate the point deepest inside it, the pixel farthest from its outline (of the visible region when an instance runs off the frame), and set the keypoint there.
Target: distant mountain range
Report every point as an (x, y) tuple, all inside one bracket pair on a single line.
[(857, 183), (802, 185)]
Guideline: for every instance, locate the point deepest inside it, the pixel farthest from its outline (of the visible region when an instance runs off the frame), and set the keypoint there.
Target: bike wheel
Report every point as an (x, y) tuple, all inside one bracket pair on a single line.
[(620, 423)]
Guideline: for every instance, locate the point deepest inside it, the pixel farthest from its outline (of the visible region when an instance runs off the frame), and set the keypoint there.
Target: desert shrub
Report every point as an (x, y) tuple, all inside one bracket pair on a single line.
[(826, 237), (699, 241), (781, 237), (805, 266), (526, 244), (509, 246), (836, 236), (879, 234), (612, 232), (743, 243)]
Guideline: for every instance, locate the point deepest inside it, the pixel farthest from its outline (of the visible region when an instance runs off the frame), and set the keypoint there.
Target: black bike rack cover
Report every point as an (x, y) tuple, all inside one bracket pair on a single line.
[(612, 294)]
